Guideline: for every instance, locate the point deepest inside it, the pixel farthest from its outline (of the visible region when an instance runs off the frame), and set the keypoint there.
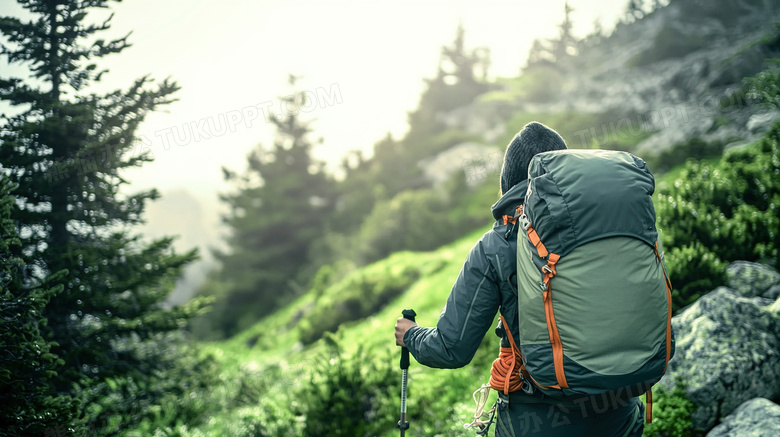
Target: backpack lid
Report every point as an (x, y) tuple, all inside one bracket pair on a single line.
[(578, 196)]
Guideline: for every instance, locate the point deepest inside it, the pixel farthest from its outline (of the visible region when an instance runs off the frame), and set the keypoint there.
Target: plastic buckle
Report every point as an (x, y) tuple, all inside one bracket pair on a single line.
[(524, 222)]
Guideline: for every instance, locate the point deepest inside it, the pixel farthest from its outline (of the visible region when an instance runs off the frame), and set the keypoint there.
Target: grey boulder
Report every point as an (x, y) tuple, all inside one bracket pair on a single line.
[(757, 417), (728, 351), (752, 279)]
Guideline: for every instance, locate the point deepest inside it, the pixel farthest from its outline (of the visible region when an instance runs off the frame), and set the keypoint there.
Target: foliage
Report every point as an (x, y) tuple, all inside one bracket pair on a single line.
[(350, 396), (470, 206), (172, 397), (765, 86), (671, 414), (460, 78), (31, 406), (359, 296), (413, 220), (539, 83), (277, 210), (611, 129), (727, 12), (718, 213), (694, 270), (65, 149), (670, 42), (265, 383), (694, 148), (553, 51)]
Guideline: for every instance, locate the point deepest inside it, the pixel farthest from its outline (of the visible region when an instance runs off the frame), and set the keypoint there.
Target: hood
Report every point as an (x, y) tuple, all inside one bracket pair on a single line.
[(510, 200)]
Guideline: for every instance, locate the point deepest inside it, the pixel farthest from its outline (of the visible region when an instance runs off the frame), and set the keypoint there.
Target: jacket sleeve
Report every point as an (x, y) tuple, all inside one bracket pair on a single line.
[(467, 315)]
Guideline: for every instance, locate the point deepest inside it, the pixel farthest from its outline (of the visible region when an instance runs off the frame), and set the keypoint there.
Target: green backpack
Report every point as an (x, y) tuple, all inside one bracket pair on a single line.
[(593, 296)]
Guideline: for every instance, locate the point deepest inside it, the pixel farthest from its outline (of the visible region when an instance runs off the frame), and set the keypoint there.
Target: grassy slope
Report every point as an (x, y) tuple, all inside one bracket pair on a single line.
[(277, 338)]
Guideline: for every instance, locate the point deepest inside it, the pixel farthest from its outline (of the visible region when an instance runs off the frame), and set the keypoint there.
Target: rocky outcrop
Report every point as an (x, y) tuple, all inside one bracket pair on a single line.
[(728, 351), (477, 162), (755, 418), (752, 279)]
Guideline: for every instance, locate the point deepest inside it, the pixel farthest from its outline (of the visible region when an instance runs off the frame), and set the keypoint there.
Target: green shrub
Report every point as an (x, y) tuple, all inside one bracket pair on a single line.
[(412, 220), (765, 86), (671, 414), (718, 213), (182, 394), (694, 148), (363, 294), (350, 396), (694, 270)]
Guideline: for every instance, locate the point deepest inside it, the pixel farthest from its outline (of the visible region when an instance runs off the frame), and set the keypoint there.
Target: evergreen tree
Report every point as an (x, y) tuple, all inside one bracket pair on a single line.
[(456, 84), (276, 212), (30, 405), (394, 168), (65, 150), (566, 45), (553, 51)]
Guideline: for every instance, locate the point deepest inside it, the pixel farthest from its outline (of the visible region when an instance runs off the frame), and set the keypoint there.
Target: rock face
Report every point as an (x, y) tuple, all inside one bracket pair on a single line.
[(755, 418), (751, 279), (476, 161), (728, 351)]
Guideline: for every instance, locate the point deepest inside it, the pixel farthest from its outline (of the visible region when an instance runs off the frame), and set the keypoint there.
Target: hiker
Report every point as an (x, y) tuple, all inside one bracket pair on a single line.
[(486, 284)]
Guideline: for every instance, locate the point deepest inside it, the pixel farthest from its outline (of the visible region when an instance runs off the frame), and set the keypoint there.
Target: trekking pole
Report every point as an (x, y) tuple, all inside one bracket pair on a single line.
[(403, 425)]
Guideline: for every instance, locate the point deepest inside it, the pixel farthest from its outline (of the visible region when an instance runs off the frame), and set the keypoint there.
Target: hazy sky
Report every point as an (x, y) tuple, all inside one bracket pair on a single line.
[(362, 62)]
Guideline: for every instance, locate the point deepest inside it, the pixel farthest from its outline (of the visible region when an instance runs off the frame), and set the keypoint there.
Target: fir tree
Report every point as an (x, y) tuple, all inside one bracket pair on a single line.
[(553, 51), (65, 150), (566, 45), (277, 210), (30, 404)]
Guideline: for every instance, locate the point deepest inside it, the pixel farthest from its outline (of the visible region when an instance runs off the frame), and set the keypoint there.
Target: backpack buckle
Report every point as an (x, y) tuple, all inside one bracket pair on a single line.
[(524, 222)]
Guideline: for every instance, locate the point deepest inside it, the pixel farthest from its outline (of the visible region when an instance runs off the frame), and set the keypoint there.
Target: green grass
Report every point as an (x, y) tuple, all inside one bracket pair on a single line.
[(272, 346)]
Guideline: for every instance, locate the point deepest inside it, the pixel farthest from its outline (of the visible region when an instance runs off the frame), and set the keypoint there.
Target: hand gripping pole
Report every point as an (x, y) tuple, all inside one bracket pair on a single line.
[(403, 424)]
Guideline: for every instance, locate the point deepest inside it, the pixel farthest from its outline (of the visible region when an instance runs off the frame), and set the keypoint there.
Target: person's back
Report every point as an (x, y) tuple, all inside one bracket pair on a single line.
[(486, 284)]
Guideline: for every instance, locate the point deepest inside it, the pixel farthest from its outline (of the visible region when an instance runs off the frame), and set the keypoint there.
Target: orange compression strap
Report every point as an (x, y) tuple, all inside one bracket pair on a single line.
[(552, 327), (669, 304), (649, 406), (505, 375), (533, 237)]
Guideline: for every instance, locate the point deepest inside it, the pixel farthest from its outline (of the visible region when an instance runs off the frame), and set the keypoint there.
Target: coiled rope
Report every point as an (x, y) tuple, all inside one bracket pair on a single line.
[(505, 375)]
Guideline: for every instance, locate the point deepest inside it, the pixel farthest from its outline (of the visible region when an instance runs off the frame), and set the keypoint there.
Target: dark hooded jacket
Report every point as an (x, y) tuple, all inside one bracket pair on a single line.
[(485, 285)]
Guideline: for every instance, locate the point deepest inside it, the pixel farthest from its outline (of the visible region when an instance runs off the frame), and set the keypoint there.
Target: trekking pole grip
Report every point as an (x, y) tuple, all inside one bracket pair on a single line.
[(409, 315)]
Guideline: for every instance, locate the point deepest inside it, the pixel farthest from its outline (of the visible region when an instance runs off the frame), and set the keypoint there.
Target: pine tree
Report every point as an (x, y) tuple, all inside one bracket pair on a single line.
[(30, 404), (455, 85), (553, 51), (566, 45), (65, 150), (276, 212)]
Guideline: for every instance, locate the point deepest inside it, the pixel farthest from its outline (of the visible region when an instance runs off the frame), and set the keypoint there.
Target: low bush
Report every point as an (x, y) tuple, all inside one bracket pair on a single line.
[(718, 213), (350, 396), (671, 414), (363, 294)]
